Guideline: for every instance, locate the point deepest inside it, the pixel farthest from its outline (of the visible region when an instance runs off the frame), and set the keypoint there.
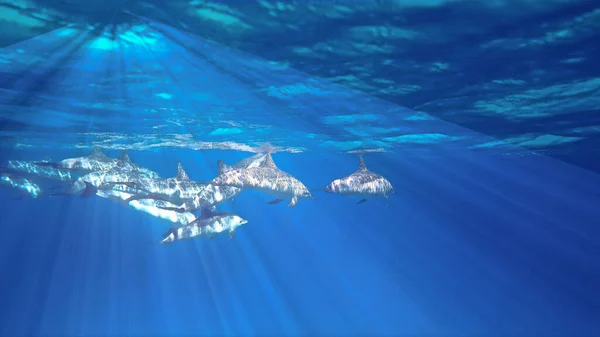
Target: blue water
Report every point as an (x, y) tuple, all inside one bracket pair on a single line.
[(484, 236)]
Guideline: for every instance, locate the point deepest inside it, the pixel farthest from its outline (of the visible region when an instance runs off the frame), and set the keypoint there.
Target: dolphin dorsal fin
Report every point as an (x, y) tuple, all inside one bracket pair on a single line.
[(97, 152), (125, 157), (181, 175), (268, 161), (362, 166), (222, 167)]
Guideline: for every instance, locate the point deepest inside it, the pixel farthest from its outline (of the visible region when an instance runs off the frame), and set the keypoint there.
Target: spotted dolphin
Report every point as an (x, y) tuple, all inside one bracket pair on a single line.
[(31, 169), (266, 177), (21, 184), (188, 195), (124, 177), (95, 161), (155, 208), (363, 183), (209, 224), (193, 196)]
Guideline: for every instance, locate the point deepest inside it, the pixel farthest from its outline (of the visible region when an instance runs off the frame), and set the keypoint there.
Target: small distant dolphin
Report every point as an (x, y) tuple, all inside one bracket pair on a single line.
[(21, 184), (209, 224), (266, 177), (363, 183)]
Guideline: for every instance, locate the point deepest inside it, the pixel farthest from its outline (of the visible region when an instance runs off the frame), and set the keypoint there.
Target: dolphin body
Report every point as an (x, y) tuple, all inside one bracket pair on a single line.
[(209, 224), (95, 161), (156, 208), (22, 184), (124, 177), (363, 183), (266, 177), (193, 196), (177, 190), (35, 170)]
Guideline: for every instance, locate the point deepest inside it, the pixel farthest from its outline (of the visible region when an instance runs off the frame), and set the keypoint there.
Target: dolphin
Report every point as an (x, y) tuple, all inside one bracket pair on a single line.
[(95, 161), (363, 183), (22, 184), (266, 177), (124, 177), (45, 172), (189, 195), (156, 208), (209, 224)]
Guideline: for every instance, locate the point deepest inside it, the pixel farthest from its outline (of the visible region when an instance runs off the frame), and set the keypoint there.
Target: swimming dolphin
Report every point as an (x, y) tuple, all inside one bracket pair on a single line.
[(363, 183), (156, 208), (209, 224), (193, 196), (124, 177), (189, 195), (266, 177), (95, 161), (22, 184), (45, 172)]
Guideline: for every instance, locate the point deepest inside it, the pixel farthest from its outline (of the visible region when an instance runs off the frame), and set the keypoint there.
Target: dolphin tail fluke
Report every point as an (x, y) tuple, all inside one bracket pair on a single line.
[(89, 190)]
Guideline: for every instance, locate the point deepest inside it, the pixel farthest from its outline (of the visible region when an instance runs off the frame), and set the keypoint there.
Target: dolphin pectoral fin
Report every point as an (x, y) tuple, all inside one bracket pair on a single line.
[(231, 234), (361, 201), (294, 202), (275, 201), (89, 190)]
